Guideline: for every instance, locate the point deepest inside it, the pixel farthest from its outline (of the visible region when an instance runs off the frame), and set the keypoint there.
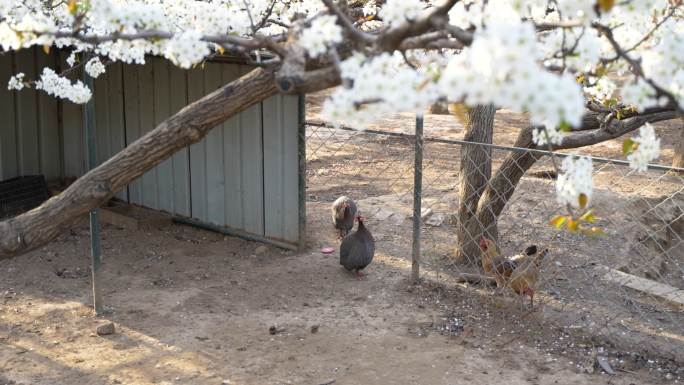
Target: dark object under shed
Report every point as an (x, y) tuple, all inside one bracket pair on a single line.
[(20, 194)]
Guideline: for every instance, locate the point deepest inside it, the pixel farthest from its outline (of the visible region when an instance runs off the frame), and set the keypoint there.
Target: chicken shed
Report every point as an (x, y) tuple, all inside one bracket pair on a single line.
[(245, 178)]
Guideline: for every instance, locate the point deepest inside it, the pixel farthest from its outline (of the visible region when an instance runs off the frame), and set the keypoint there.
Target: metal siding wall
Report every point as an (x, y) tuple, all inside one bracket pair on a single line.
[(252, 167), (214, 155), (281, 167), (109, 116), (180, 160), (243, 175), (8, 130), (27, 120), (117, 130), (232, 162), (72, 131), (226, 167), (162, 111), (48, 124), (149, 187), (29, 129), (198, 179), (132, 122)]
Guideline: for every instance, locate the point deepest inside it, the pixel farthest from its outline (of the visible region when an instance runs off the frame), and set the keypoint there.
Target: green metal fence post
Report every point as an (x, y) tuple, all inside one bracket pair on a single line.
[(417, 197), (95, 248)]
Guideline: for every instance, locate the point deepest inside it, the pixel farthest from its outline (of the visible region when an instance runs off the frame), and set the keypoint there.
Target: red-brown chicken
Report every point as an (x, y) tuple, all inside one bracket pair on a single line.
[(523, 281)]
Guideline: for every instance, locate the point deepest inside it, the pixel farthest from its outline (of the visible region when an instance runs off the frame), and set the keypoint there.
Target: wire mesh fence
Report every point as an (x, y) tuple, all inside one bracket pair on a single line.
[(626, 284), (21, 194)]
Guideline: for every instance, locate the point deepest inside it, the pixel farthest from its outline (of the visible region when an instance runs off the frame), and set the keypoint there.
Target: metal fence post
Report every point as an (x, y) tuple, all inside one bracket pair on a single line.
[(95, 249), (417, 197)]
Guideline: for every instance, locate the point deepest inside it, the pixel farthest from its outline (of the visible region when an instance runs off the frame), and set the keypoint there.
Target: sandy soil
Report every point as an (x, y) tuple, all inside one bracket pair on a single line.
[(191, 307), (194, 307)]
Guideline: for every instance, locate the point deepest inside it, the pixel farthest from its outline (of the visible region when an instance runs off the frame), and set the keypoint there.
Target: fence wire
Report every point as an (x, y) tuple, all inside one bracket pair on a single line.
[(627, 284)]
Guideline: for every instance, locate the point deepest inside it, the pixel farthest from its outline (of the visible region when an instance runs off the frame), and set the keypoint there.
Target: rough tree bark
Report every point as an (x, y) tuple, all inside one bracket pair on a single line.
[(475, 171), (678, 160), (42, 224), (504, 182)]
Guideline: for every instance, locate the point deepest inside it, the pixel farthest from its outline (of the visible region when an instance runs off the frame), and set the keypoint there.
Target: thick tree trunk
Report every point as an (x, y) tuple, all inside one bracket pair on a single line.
[(475, 171), (678, 160), (503, 184), (37, 227)]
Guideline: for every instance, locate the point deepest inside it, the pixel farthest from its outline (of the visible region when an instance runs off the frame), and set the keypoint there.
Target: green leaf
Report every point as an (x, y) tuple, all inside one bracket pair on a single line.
[(588, 217), (460, 111), (606, 5), (583, 200), (558, 221), (628, 146), (565, 127), (593, 232), (72, 7)]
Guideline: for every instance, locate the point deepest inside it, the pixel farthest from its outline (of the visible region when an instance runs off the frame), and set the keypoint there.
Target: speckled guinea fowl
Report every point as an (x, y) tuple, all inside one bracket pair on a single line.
[(343, 213), (357, 249)]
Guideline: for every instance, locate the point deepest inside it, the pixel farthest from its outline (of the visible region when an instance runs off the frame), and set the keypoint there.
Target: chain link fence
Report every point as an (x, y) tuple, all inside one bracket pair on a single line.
[(626, 285)]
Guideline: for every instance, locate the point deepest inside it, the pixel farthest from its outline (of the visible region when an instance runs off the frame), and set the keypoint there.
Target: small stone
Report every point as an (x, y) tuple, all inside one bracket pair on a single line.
[(314, 329), (261, 250), (225, 382), (669, 376), (105, 329), (435, 219)]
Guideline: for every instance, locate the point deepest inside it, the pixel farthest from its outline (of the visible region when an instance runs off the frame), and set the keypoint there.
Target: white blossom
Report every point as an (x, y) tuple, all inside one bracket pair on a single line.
[(603, 89), (370, 8), (94, 67), (16, 82), (323, 33), (61, 87), (71, 60), (639, 94), (399, 11), (549, 134), (506, 64), (186, 49), (575, 179), (647, 148)]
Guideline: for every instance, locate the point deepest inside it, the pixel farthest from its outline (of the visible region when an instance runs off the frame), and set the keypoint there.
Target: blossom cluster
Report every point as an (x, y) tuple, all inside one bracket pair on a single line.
[(16, 82), (61, 87), (510, 62), (323, 34), (574, 180), (94, 67), (647, 148), (491, 72), (370, 94), (186, 49), (398, 11)]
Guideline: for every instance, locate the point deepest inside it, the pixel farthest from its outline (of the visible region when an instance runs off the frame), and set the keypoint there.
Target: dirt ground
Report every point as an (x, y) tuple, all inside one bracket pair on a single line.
[(195, 307)]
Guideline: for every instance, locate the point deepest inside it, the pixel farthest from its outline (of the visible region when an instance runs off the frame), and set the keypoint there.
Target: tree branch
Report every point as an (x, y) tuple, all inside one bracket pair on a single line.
[(502, 185), (347, 24), (392, 38)]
